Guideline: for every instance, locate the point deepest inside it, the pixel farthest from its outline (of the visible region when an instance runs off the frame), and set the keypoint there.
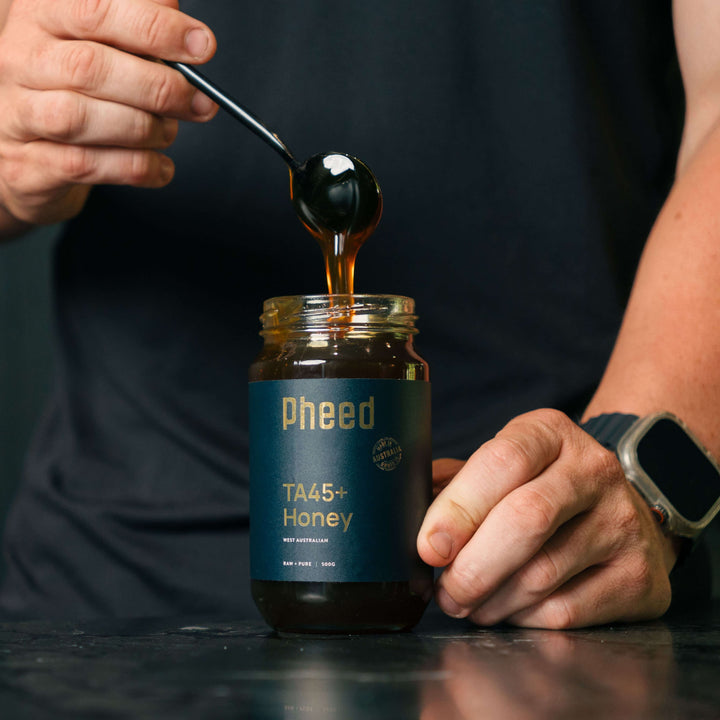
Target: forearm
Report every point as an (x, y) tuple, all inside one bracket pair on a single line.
[(667, 354)]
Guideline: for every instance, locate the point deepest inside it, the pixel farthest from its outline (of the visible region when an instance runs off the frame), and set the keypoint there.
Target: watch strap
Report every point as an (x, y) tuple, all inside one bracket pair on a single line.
[(608, 429)]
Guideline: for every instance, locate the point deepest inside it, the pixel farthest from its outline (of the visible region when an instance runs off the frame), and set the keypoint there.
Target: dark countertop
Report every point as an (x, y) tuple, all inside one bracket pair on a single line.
[(445, 669)]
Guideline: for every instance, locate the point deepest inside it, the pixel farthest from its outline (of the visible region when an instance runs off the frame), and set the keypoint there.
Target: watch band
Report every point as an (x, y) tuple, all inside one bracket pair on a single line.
[(608, 429)]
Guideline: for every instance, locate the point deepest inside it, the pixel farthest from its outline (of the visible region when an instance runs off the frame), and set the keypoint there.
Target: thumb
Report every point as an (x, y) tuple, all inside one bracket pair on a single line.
[(517, 454)]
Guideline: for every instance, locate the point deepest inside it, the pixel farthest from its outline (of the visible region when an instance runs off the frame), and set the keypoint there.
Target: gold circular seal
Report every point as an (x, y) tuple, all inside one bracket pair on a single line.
[(387, 453)]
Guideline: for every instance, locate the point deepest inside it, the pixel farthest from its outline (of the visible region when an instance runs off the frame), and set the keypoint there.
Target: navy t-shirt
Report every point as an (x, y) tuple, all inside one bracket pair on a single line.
[(523, 150)]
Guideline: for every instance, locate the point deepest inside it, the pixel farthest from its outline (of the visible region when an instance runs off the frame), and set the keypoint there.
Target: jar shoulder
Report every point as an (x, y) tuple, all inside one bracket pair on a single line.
[(376, 357)]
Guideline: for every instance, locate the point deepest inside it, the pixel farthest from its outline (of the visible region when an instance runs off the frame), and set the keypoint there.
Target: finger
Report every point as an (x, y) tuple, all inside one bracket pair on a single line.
[(518, 453), (512, 534), (581, 543), (138, 26), (443, 471), (46, 165), (98, 71), (626, 591), (67, 117)]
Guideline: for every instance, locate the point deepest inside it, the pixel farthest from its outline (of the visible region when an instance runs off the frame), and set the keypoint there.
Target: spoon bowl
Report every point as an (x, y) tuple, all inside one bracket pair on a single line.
[(338, 200), (336, 193)]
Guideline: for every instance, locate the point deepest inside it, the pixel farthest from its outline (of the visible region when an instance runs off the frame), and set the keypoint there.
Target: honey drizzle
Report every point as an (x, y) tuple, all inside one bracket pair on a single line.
[(322, 197)]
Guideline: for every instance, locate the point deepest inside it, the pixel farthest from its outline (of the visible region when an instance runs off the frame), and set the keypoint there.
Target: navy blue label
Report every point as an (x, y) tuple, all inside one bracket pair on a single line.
[(340, 478)]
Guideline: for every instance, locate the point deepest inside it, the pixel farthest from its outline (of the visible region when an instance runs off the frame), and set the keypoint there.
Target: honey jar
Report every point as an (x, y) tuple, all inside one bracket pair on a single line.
[(340, 465)]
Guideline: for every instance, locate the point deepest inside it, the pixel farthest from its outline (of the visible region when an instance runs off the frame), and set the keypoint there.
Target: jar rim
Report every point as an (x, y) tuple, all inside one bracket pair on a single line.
[(322, 313)]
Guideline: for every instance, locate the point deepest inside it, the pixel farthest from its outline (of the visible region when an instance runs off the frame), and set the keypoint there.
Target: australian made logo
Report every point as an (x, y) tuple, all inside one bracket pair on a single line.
[(387, 453)]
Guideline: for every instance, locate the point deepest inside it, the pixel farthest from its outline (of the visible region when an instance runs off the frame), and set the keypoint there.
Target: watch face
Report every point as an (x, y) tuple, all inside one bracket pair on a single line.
[(679, 468)]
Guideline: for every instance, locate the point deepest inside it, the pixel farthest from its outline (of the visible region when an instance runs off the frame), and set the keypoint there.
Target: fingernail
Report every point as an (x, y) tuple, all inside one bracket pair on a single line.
[(201, 104), (167, 169), (197, 42), (448, 605), (441, 543), (169, 128)]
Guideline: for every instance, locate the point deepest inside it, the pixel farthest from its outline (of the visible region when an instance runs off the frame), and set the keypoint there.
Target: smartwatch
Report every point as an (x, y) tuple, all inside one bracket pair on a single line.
[(668, 466)]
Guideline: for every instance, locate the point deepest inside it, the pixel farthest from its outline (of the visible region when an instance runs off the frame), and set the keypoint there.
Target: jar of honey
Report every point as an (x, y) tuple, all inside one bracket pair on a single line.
[(340, 465)]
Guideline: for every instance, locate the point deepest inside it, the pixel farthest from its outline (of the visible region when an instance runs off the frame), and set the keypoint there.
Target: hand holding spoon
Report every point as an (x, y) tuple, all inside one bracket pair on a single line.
[(336, 196)]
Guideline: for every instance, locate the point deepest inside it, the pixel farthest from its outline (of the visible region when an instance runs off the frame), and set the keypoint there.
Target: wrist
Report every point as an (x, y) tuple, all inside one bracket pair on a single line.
[(10, 226)]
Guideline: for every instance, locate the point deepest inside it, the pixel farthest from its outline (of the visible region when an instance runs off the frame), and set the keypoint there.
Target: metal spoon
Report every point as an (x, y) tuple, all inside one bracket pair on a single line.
[(336, 196)]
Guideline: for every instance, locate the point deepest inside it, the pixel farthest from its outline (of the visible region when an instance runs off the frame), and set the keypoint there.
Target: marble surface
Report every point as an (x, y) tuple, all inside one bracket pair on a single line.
[(445, 669)]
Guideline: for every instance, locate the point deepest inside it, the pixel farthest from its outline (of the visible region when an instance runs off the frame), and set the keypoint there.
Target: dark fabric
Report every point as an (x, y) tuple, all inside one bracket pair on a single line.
[(523, 150)]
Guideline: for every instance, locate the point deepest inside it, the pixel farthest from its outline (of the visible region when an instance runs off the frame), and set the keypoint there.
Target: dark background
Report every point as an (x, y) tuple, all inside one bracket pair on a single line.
[(25, 350)]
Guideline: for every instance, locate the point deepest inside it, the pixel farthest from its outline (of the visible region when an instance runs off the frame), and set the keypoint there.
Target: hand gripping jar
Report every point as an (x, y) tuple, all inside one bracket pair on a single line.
[(340, 465)]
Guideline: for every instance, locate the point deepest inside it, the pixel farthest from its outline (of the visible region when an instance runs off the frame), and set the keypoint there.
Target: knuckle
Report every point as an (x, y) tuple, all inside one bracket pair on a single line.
[(89, 15), (151, 26), (17, 120), (606, 466), (140, 167), (76, 163), (602, 475), (63, 117), (13, 167), (559, 614), (81, 65), (465, 583), (143, 126), (603, 464), (553, 418), (162, 93), (533, 514), (646, 585), (540, 575), (545, 423), (506, 452), (640, 576), (627, 520)]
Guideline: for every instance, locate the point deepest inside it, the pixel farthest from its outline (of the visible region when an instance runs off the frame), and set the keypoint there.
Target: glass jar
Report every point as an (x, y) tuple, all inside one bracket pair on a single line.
[(340, 465)]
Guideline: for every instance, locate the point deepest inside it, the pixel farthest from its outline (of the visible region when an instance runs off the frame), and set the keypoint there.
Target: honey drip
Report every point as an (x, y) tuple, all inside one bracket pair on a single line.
[(338, 200)]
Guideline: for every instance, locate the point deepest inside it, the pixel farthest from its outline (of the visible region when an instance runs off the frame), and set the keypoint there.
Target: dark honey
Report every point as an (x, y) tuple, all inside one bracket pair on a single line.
[(359, 337)]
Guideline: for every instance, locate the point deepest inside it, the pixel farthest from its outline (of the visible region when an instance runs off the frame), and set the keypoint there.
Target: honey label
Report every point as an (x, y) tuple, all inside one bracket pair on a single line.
[(340, 478)]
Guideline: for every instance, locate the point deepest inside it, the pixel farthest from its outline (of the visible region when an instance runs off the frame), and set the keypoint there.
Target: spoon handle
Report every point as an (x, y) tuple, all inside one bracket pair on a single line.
[(235, 109)]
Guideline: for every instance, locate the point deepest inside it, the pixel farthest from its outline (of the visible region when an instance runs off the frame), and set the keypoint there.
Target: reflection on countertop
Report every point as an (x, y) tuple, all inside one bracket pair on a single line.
[(445, 669)]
